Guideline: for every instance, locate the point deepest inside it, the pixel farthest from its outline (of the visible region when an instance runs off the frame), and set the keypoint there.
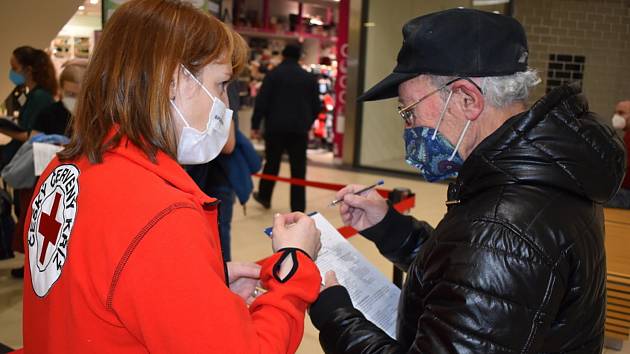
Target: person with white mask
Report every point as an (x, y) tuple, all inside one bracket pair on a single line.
[(52, 120), (55, 118), (123, 252), (32, 69), (621, 121)]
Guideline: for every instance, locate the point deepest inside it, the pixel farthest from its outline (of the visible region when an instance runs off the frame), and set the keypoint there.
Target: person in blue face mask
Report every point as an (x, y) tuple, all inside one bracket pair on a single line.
[(33, 69), (53, 119), (517, 263)]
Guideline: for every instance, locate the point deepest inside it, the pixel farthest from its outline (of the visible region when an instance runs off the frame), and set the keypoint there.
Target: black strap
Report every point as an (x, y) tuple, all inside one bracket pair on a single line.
[(286, 252), (452, 196)]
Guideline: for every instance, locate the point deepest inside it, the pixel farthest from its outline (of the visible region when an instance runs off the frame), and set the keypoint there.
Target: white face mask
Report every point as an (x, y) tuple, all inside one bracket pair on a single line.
[(618, 122), (70, 103), (195, 147)]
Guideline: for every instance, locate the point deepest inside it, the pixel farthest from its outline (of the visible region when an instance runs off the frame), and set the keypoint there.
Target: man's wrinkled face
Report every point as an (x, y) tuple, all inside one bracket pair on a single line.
[(427, 112)]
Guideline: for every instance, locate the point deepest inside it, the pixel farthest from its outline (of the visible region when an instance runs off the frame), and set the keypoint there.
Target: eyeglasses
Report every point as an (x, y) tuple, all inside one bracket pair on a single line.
[(407, 112)]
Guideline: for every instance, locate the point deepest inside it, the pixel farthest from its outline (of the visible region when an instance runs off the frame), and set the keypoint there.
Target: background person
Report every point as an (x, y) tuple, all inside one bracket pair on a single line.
[(53, 119), (56, 119), (621, 120), (123, 252), (228, 175), (288, 102), (34, 69), (518, 262)]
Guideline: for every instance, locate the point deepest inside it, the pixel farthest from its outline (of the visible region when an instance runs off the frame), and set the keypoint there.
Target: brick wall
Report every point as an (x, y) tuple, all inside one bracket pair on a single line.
[(598, 30)]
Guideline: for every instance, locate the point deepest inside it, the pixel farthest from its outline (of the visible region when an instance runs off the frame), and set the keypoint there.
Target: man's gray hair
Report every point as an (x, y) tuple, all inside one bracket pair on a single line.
[(500, 91)]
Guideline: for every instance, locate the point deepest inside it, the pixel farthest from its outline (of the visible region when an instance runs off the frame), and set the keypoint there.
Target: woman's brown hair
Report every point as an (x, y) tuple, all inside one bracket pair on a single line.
[(128, 80), (40, 66)]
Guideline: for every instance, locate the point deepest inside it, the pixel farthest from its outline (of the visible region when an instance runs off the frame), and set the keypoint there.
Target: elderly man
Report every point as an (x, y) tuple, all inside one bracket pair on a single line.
[(517, 264), (621, 120)]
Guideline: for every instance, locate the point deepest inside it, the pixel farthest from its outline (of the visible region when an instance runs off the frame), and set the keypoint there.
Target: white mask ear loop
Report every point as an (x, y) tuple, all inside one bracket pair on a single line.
[(198, 83), (459, 141), (450, 94), (179, 113)]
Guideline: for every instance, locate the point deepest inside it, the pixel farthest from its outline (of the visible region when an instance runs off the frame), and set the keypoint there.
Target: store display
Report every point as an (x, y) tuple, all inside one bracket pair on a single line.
[(268, 29), (323, 126), (61, 47), (82, 47)]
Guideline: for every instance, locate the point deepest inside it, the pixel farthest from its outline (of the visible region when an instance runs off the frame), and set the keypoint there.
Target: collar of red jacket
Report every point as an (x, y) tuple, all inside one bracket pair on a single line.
[(164, 166)]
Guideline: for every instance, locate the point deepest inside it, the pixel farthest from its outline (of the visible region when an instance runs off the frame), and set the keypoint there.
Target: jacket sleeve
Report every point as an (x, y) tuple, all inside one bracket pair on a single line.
[(475, 299), (261, 105), (399, 237), (344, 329), (173, 299)]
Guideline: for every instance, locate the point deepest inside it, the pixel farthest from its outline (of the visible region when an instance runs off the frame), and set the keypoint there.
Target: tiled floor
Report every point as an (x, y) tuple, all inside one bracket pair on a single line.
[(10, 304), (249, 242)]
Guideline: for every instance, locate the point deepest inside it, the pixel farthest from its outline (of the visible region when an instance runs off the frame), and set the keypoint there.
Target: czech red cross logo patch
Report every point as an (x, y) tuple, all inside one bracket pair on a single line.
[(50, 228)]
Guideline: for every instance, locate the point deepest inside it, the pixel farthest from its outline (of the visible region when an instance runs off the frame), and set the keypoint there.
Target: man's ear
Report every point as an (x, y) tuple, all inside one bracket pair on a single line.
[(468, 99)]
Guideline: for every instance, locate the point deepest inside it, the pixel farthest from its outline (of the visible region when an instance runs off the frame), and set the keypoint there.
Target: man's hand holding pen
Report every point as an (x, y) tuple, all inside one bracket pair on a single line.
[(363, 209)]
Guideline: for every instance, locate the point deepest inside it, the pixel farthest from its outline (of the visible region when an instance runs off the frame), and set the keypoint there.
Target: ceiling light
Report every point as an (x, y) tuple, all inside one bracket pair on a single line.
[(93, 2), (81, 8)]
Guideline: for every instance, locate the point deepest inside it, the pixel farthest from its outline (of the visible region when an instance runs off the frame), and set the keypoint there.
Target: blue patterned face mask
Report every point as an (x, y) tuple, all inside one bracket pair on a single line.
[(431, 153)]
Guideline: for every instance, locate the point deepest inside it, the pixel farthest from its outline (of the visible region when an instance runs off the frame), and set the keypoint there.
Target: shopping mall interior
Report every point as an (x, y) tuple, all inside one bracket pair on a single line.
[(348, 46)]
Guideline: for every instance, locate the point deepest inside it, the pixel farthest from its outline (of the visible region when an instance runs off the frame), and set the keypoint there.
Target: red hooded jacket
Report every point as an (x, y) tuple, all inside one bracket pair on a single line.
[(124, 257)]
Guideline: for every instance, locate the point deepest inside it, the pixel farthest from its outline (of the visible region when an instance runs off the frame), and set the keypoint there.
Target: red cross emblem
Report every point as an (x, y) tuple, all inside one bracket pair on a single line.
[(49, 227), (52, 228)]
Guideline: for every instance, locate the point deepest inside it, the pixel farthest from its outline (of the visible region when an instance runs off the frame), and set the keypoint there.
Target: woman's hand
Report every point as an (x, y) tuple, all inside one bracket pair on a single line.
[(244, 277), (296, 230)]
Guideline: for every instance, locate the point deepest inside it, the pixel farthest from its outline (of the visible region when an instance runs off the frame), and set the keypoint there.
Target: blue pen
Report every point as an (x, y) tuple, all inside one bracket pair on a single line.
[(269, 232), (337, 201)]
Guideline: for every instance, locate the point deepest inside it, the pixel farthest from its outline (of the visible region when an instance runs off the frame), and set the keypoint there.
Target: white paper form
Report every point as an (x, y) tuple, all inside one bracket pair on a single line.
[(371, 292), (42, 155)]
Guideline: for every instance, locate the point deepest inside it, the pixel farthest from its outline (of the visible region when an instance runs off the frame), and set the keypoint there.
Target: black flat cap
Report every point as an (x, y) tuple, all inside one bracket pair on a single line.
[(456, 42)]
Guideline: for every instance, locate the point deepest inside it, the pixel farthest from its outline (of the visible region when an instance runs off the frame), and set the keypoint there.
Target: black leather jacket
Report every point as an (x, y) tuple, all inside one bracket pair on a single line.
[(517, 265)]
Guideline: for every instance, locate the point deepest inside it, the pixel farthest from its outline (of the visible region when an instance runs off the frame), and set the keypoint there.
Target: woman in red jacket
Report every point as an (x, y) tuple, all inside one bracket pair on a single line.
[(123, 254)]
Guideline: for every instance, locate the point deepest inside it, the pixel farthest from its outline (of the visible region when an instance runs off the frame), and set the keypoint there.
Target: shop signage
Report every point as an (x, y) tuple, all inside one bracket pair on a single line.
[(342, 77)]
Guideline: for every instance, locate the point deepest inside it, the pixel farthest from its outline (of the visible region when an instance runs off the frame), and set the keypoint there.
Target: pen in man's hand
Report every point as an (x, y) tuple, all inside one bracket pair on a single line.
[(337, 201)]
